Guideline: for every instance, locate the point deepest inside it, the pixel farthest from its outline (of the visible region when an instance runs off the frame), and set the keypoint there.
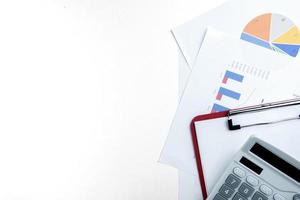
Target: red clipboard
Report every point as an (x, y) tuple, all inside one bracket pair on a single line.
[(261, 107), (196, 147)]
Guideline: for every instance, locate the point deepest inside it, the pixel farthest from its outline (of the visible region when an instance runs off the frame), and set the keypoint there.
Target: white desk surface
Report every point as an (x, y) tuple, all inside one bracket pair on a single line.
[(88, 90)]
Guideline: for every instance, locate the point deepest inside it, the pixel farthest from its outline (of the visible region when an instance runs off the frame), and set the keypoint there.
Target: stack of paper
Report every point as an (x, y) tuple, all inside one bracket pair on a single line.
[(241, 53)]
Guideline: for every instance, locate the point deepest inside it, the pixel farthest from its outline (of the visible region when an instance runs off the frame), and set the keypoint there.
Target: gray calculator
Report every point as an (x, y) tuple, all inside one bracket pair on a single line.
[(259, 171)]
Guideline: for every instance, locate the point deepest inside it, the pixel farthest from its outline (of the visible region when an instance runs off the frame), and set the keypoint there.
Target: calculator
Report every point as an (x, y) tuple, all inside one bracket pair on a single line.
[(259, 171)]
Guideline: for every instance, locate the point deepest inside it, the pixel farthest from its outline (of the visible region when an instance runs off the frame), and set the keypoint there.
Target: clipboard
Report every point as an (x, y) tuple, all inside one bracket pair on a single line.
[(281, 114)]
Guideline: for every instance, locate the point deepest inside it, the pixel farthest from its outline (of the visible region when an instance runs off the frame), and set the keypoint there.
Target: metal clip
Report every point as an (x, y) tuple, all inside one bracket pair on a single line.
[(259, 108)]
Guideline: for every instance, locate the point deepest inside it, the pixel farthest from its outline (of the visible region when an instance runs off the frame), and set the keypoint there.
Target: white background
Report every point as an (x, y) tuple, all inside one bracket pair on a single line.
[(87, 94)]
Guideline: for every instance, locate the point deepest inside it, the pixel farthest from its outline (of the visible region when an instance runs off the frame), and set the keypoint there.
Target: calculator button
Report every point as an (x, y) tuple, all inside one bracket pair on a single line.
[(252, 181), (218, 197), (239, 172), (246, 190), (259, 196), (296, 197), (226, 191), (266, 190), (238, 197), (278, 197), (232, 181)]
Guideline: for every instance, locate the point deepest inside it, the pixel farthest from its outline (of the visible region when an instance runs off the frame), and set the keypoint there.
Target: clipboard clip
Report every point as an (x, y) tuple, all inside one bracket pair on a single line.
[(262, 107)]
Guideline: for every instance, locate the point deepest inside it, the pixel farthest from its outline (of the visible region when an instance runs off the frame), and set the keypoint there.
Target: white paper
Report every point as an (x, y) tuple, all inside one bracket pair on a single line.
[(283, 84), (183, 75), (189, 185), (231, 17), (255, 64)]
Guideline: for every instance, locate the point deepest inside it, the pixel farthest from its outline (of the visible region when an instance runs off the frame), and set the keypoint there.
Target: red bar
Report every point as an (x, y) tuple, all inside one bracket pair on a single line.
[(219, 96), (225, 79)]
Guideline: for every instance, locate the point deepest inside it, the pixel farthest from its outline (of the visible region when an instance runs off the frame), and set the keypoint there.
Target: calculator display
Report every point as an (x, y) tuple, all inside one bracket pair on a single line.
[(251, 165), (276, 161)]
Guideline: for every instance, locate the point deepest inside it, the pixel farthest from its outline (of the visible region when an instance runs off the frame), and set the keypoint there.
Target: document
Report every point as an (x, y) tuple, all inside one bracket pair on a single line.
[(273, 25), (270, 24), (190, 35), (221, 79), (283, 84)]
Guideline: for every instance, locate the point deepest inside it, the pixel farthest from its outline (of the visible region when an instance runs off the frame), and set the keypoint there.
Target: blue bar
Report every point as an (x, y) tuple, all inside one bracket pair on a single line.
[(229, 93), (255, 40), (234, 76), (219, 108)]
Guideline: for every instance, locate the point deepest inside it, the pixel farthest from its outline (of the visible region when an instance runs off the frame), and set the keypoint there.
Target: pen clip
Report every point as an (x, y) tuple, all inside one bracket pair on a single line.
[(265, 106), (259, 108), (234, 127), (231, 126)]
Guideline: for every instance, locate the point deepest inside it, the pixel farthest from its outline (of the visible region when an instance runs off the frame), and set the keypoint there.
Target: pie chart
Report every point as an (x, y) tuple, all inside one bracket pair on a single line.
[(275, 32)]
